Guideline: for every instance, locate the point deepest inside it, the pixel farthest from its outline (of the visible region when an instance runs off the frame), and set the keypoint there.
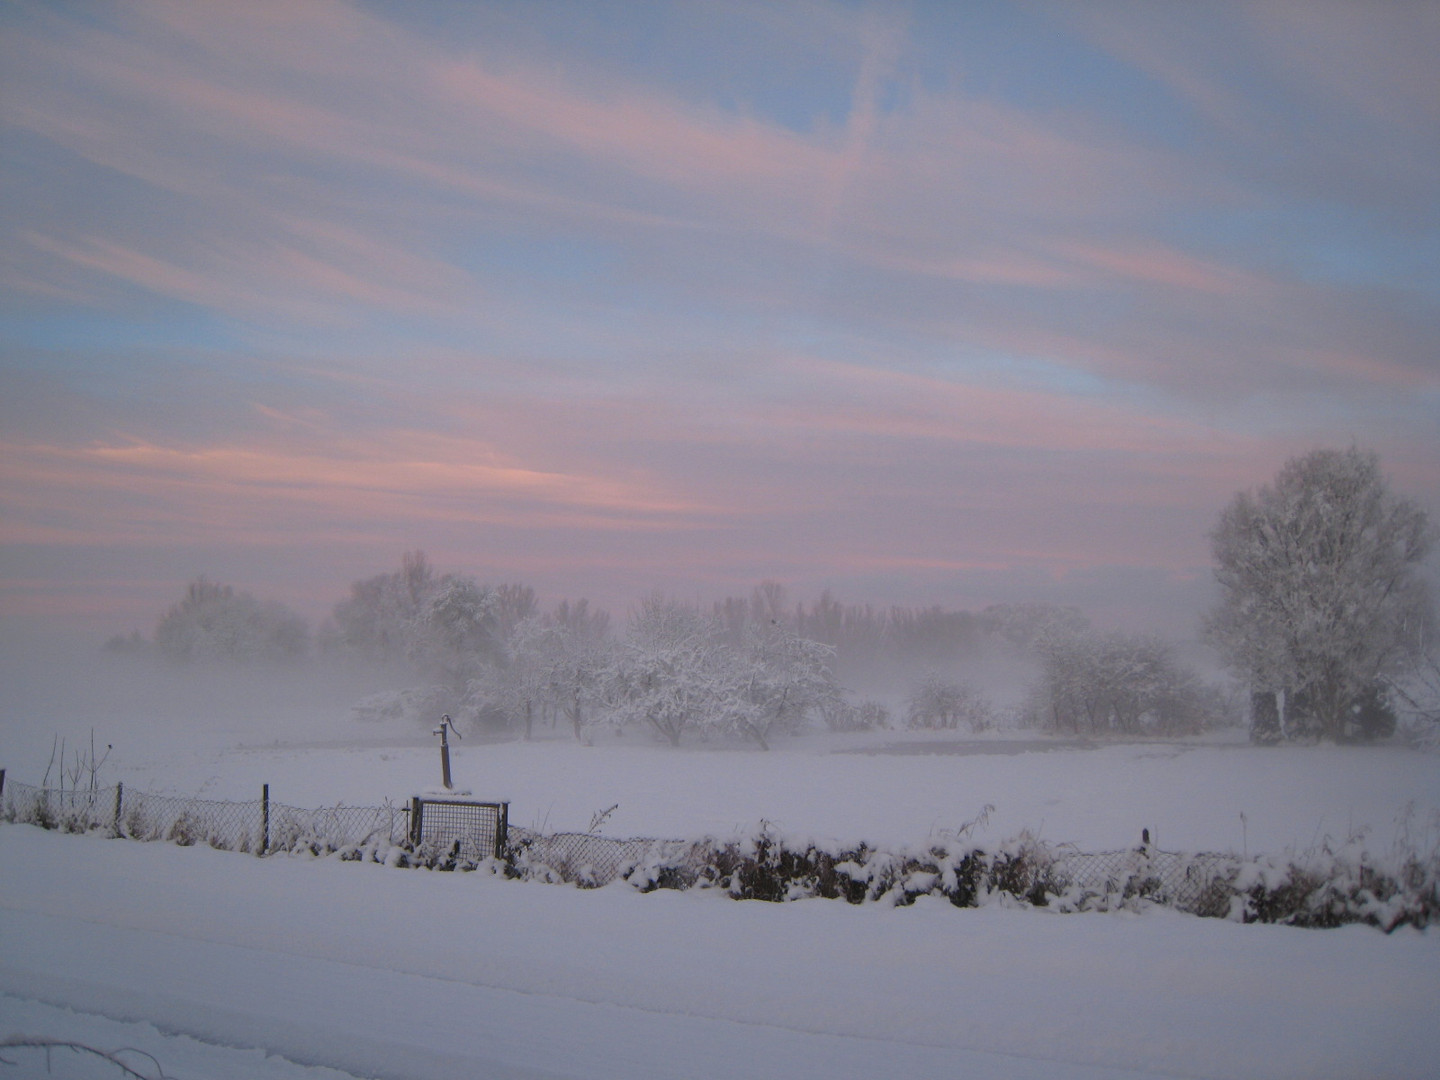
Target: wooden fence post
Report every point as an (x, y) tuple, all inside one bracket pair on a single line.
[(417, 811), (2, 786), (119, 797), (264, 818)]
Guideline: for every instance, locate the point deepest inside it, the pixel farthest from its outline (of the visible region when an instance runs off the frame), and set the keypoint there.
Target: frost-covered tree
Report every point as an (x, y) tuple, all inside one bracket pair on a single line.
[(216, 622), (458, 633), (446, 626), (778, 679), (514, 604), (579, 651), (550, 665), (671, 673), (946, 704), (680, 670), (1030, 625), (1321, 589), (517, 684), (1098, 683), (381, 616), (1417, 692)]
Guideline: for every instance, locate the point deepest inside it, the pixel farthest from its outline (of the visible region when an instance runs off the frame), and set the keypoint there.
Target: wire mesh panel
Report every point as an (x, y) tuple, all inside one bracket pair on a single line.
[(479, 828)]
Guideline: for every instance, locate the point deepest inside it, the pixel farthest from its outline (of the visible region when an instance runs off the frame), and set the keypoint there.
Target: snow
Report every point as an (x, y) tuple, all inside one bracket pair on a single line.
[(416, 974), (221, 964), (1189, 795)]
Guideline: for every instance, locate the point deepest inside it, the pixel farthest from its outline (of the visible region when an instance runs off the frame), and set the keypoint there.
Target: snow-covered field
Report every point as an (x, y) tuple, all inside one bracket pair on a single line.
[(884, 787), (221, 965)]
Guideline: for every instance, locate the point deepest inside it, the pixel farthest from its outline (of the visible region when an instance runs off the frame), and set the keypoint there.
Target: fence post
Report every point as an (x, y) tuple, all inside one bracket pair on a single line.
[(502, 830), (417, 811), (2, 786), (264, 818), (119, 797)]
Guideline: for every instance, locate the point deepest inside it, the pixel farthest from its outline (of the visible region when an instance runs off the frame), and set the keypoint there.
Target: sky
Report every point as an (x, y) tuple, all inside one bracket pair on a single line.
[(950, 304)]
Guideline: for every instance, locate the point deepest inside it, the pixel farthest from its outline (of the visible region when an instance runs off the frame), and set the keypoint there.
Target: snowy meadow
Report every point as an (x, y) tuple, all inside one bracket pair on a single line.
[(220, 964)]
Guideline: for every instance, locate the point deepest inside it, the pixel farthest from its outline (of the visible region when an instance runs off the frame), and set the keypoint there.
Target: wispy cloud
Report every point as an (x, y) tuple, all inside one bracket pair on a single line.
[(838, 293)]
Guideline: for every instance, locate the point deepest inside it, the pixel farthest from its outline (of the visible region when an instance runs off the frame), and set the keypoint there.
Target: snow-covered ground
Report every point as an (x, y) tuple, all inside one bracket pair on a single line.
[(222, 965), (415, 974)]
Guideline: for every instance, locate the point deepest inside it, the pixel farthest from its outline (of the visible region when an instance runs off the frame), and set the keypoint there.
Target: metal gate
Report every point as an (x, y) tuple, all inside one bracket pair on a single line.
[(481, 828)]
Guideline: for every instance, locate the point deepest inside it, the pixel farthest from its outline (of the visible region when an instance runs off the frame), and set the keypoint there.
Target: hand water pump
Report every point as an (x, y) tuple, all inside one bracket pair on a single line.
[(446, 726)]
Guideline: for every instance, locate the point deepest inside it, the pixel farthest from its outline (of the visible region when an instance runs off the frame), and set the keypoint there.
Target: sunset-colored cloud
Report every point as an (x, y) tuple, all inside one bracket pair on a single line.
[(421, 477), (877, 401)]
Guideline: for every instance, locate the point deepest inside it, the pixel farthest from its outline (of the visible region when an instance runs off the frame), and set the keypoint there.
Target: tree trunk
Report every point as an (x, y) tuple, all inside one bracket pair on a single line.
[(671, 731)]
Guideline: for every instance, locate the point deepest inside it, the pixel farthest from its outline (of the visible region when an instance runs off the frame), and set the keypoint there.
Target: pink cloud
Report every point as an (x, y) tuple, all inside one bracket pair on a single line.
[(854, 399), (1152, 264), (143, 489)]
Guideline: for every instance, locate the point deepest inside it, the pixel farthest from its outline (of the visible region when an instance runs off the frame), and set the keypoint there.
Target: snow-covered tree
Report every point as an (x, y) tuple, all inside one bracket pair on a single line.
[(1417, 693), (1030, 625), (680, 670), (778, 678), (947, 704), (381, 616), (1097, 683), (1321, 589), (514, 604), (458, 633), (215, 622), (579, 651), (516, 685), (671, 673)]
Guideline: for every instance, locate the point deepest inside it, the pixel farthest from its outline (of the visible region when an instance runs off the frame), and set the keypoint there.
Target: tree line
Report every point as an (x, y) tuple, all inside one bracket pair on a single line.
[(1324, 619), (746, 668)]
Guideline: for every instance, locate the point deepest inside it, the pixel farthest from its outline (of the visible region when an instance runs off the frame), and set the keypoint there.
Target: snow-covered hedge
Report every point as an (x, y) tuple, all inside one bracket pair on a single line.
[(1320, 888)]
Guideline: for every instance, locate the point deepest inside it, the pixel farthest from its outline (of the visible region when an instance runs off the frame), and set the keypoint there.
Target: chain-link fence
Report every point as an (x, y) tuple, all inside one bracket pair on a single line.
[(338, 826), (257, 825), (1198, 883), (1324, 888), (230, 826), (70, 809), (1195, 882), (591, 861)]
